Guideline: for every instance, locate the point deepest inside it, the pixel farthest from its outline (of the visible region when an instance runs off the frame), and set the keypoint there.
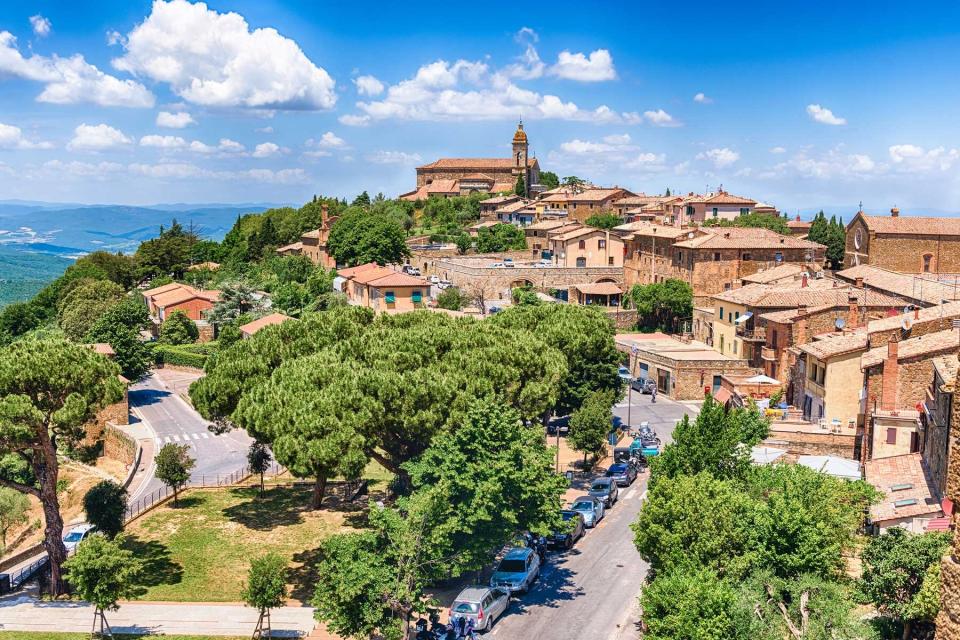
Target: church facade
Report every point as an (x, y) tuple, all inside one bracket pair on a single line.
[(462, 176)]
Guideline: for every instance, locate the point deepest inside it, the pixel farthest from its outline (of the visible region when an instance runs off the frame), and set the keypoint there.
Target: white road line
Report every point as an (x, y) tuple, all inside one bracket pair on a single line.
[(196, 436), (205, 435), (176, 438), (166, 439), (158, 441), (643, 496)]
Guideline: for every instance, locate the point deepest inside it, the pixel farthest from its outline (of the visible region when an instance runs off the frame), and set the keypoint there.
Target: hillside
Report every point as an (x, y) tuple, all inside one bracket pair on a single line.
[(23, 274)]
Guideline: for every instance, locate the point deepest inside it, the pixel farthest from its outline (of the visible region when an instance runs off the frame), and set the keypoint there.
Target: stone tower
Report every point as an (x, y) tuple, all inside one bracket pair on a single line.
[(520, 154), (948, 622)]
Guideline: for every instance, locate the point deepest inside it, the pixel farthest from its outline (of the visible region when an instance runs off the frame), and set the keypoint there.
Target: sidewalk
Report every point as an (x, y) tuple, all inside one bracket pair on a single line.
[(24, 613)]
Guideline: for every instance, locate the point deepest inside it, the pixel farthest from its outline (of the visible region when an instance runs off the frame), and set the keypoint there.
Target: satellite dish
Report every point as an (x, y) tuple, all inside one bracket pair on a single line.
[(905, 324), (840, 323), (908, 308), (690, 235)]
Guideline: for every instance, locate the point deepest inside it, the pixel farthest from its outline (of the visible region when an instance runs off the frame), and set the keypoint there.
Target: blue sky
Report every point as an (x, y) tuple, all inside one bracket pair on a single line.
[(805, 106)]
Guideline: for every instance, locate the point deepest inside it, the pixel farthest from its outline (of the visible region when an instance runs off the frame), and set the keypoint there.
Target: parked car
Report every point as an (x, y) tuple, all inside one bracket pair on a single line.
[(590, 508), (561, 424), (434, 279), (644, 385), (76, 535), (624, 374), (605, 490), (483, 605), (629, 456), (517, 571), (410, 270), (622, 473), (574, 529), (444, 284)]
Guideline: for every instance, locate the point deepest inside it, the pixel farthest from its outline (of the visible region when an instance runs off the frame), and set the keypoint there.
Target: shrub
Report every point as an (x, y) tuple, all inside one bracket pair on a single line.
[(105, 505)]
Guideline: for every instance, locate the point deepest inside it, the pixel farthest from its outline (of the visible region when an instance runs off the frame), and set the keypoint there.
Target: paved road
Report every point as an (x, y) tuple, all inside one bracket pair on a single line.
[(590, 592), (154, 400)]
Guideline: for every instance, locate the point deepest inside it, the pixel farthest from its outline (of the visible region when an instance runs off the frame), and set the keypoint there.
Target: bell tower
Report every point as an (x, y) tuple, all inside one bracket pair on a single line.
[(520, 155)]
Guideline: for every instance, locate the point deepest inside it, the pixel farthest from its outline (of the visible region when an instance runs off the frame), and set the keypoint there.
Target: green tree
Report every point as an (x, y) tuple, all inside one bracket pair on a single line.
[(661, 305), (259, 459), (49, 388), (361, 236), (228, 335), (520, 188), (237, 297), (173, 465), (501, 237), (266, 589), (549, 180), (895, 567), (106, 507), (362, 200), (574, 181), (452, 298), (102, 572), (604, 220), (756, 220), (119, 327), (83, 306), (492, 464), (666, 192), (177, 328), (17, 319), (166, 255), (14, 511), (693, 604), (591, 423), (463, 242)]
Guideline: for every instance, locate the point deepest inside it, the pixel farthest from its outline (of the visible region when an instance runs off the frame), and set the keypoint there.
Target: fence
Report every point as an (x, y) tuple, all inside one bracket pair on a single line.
[(21, 575)]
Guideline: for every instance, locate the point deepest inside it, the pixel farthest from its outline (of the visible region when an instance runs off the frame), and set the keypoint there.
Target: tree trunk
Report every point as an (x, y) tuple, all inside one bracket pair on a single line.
[(46, 470), (261, 484), (174, 495), (319, 490), (907, 629)]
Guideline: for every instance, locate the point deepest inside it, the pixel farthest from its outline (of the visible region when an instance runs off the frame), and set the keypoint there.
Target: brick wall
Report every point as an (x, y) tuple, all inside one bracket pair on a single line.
[(905, 254), (948, 622), (118, 445), (498, 175), (497, 282)]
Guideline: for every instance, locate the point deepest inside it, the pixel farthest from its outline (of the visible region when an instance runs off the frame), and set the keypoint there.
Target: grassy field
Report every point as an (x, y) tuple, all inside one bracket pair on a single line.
[(58, 635), (201, 550)]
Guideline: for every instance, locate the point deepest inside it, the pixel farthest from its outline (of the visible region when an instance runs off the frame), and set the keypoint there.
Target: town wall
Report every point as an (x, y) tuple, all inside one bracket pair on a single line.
[(498, 281), (948, 621)]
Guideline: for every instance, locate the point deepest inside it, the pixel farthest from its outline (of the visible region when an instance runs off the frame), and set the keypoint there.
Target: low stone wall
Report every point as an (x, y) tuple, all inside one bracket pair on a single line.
[(813, 444), (469, 273), (16, 559), (948, 621), (623, 318), (119, 445)]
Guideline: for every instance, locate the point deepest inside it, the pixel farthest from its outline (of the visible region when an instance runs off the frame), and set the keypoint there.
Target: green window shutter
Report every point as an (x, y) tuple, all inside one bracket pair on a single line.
[(390, 297), (417, 297)]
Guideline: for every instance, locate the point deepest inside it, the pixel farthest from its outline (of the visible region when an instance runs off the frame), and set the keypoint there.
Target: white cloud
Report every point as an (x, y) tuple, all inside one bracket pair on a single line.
[(910, 158), (100, 170), (266, 150), (329, 140), (620, 139), (578, 146), (224, 147), (613, 153), (267, 129), (596, 67), (393, 157), (835, 164), (70, 80), (660, 118), (185, 170), (41, 26), (177, 120), (778, 150), (230, 146), (97, 137), (163, 142), (720, 157), (214, 59), (702, 98), (824, 115), (114, 38), (528, 66), (317, 153), (653, 162), (11, 137), (466, 90), (368, 86)]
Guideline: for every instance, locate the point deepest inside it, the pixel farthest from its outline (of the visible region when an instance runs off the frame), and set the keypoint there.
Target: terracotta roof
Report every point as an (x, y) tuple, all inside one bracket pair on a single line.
[(777, 273), (499, 200), (904, 479), (397, 279), (103, 348), (723, 197), (599, 289), (638, 200), (946, 367), (946, 311), (513, 206), (908, 286), (295, 246), (274, 318), (644, 228), (349, 272), (911, 225), (475, 163), (596, 195), (162, 289), (787, 316), (183, 293), (793, 294), (209, 265), (477, 177), (546, 225), (500, 187), (829, 345), (576, 233), (928, 344), (799, 224), (746, 238)]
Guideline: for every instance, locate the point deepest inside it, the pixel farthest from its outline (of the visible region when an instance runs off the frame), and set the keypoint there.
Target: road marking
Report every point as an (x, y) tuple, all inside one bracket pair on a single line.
[(205, 435), (176, 438), (643, 496), (158, 441), (166, 439), (630, 493), (196, 436)]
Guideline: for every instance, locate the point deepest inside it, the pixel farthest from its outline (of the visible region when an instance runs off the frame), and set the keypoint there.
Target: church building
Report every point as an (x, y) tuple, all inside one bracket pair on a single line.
[(462, 176)]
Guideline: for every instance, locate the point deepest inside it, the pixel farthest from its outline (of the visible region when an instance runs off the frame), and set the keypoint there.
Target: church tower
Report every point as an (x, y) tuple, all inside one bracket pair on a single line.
[(520, 151)]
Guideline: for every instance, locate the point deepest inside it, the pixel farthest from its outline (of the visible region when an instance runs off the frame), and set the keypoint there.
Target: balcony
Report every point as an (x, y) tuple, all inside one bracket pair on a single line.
[(768, 354), (752, 334)]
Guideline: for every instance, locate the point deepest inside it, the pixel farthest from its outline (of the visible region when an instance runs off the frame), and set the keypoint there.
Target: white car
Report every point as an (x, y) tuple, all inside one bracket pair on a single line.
[(76, 535), (444, 284), (434, 279)]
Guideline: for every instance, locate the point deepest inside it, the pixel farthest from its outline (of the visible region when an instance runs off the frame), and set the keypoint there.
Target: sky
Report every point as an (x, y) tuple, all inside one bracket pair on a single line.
[(802, 105)]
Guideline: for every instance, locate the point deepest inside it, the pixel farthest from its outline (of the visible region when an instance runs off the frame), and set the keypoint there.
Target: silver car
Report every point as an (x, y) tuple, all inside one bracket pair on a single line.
[(590, 508), (605, 490), (483, 605), (76, 535), (517, 571)]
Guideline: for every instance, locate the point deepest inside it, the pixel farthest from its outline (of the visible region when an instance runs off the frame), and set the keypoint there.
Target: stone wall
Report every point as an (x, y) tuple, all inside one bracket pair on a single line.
[(795, 443), (948, 622), (118, 445), (690, 377), (917, 329), (497, 282), (905, 254), (498, 175), (117, 413)]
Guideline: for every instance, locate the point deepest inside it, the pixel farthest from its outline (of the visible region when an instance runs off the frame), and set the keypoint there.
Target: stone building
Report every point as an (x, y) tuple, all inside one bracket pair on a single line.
[(463, 176), (948, 621), (590, 202), (915, 289), (715, 206), (586, 247), (906, 244)]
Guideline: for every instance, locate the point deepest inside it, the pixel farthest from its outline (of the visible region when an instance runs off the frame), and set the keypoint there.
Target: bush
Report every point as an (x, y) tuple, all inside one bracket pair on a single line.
[(452, 298), (178, 329), (105, 505), (179, 355)]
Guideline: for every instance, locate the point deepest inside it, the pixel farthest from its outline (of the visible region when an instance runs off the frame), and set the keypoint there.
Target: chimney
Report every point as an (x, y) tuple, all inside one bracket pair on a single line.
[(853, 311), (859, 282), (894, 212), (798, 217), (803, 280), (800, 329), (726, 234), (891, 371), (323, 216)]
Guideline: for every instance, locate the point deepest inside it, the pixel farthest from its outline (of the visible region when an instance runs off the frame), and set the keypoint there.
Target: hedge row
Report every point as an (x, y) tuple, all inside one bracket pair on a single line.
[(178, 355)]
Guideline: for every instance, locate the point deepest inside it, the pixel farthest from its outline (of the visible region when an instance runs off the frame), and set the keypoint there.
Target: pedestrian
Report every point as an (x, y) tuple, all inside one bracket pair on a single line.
[(653, 394)]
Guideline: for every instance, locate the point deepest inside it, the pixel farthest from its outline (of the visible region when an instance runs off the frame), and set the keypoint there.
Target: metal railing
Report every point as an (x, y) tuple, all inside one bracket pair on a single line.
[(19, 577)]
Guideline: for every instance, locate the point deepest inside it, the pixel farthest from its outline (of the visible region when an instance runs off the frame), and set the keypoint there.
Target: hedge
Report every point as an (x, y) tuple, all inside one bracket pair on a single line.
[(178, 355)]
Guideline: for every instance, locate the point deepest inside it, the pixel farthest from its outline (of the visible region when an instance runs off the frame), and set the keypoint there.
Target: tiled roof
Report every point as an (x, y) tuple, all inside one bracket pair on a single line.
[(599, 289), (928, 344), (513, 206), (182, 294), (946, 311), (477, 177), (501, 187), (296, 246), (793, 294), (349, 272), (576, 233), (397, 279), (893, 477), (946, 367), (274, 318), (644, 228), (777, 273), (596, 195), (799, 224), (475, 163), (723, 197), (911, 225), (103, 348), (209, 265), (499, 200), (637, 200), (902, 284), (170, 286), (546, 225), (829, 345), (746, 238)]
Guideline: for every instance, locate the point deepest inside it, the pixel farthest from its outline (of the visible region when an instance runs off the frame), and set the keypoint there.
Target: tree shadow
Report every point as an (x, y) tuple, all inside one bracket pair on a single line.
[(144, 397), (158, 568), (186, 502), (303, 579), (279, 506)]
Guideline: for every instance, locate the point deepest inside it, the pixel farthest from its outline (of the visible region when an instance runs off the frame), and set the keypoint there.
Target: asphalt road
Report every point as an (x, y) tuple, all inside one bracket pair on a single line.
[(591, 591), (153, 400)]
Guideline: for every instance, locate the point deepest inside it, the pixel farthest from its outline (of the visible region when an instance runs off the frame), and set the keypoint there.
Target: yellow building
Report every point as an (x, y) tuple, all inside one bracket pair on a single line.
[(832, 379), (383, 289)]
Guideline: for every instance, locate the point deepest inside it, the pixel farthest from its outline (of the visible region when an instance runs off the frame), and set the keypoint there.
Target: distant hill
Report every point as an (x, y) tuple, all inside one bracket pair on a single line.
[(39, 239)]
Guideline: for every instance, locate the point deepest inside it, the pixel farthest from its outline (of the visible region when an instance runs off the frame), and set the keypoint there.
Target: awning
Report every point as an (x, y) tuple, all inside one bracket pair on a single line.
[(744, 317)]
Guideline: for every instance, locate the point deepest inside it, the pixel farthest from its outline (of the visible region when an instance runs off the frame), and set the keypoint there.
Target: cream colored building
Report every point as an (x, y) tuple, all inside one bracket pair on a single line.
[(832, 380), (586, 247)]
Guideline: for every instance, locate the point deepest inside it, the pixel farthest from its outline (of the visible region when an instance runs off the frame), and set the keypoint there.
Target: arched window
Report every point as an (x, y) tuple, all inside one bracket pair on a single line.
[(927, 259)]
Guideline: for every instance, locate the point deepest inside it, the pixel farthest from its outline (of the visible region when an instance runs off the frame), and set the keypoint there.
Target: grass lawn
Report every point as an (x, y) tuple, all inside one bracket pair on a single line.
[(56, 635), (201, 550)]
